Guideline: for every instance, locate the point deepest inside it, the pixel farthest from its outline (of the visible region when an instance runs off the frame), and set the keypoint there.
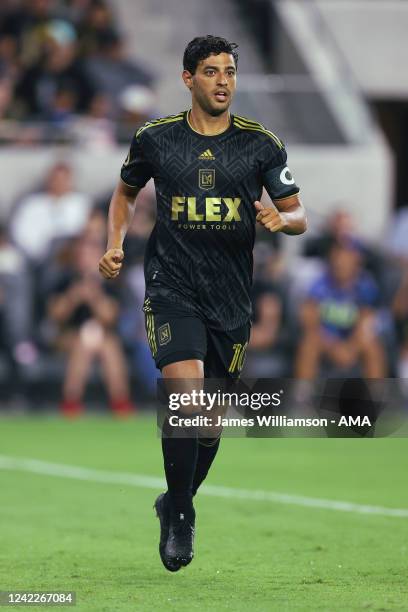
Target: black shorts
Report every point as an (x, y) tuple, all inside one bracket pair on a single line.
[(177, 335)]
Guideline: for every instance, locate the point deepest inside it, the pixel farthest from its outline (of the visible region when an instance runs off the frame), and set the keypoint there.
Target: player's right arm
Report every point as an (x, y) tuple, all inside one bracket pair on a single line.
[(121, 211), (135, 173)]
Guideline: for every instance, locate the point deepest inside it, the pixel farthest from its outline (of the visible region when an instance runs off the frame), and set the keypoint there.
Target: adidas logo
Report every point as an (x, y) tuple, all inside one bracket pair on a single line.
[(206, 155)]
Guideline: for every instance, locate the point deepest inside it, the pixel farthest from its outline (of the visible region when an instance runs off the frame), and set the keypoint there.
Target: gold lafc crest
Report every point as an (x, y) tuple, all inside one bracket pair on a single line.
[(164, 334), (206, 178)]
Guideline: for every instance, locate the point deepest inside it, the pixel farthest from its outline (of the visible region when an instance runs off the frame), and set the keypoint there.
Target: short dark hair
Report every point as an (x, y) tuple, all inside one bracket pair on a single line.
[(202, 47)]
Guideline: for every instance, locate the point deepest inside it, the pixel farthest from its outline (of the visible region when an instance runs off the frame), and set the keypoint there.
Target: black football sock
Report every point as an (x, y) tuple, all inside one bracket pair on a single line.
[(180, 458), (207, 449)]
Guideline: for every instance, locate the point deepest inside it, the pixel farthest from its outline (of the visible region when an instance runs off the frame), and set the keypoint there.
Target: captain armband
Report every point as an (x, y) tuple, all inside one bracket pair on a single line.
[(280, 183)]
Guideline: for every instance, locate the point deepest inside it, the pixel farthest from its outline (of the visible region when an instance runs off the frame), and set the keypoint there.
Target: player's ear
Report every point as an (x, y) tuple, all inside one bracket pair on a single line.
[(187, 78)]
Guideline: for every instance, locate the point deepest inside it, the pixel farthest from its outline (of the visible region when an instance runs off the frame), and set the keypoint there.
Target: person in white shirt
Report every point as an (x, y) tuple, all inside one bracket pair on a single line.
[(46, 217)]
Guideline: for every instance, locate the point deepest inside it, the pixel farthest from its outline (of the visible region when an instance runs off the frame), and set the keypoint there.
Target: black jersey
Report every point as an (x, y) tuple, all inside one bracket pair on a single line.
[(199, 255)]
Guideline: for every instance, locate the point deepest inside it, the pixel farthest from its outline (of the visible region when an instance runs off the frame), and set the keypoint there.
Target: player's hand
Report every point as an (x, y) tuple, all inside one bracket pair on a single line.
[(111, 263), (270, 217)]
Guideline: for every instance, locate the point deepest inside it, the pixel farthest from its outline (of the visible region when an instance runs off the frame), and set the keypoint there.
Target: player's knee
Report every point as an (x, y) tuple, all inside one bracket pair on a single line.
[(183, 383), (209, 438)]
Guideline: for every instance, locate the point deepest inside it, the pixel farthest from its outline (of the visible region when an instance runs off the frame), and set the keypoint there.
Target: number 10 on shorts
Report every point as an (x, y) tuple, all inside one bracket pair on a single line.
[(238, 358)]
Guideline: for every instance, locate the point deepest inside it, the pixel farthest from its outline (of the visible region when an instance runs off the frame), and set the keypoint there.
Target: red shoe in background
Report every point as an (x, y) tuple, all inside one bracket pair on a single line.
[(71, 409), (123, 407)]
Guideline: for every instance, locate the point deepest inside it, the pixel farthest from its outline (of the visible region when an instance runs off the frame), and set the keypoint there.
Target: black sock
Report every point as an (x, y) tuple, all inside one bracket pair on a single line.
[(180, 458), (207, 449)]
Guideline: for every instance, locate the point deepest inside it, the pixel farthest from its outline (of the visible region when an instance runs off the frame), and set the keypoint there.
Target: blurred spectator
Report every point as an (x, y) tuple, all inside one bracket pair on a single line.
[(132, 324), (15, 314), (95, 229), (44, 218), (141, 226), (96, 130), (23, 29), (55, 87), (50, 273), (111, 72), (8, 55), (397, 243), (338, 319), (136, 106), (86, 310), (400, 311), (95, 20), (266, 352), (6, 95), (74, 10), (64, 76), (340, 226)]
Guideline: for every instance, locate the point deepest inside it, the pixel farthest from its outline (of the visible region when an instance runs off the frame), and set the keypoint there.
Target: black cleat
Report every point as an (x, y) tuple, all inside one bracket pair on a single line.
[(179, 547), (161, 505)]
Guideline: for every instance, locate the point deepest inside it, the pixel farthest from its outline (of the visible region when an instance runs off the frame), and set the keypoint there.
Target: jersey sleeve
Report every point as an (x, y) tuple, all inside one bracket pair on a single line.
[(276, 176), (136, 169)]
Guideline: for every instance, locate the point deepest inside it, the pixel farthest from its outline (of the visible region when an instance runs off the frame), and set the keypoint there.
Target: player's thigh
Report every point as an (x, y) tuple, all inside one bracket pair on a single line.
[(184, 378), (189, 368), (226, 352), (175, 338), (179, 345)]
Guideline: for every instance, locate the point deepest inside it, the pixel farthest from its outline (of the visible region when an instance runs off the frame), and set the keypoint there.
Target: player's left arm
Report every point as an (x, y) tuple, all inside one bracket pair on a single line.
[(285, 215)]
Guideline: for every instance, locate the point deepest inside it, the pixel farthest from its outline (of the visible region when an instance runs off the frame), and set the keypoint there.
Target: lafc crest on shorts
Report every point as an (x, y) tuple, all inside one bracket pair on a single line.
[(164, 334)]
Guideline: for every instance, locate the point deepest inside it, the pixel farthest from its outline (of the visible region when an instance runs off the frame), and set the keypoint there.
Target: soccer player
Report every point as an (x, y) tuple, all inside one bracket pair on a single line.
[(209, 168)]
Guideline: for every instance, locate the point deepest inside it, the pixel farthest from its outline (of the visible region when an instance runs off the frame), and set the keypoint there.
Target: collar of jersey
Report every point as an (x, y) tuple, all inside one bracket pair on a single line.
[(190, 127)]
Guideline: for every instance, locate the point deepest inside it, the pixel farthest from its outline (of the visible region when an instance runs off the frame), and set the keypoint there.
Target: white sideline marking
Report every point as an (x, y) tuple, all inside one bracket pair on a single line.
[(150, 482)]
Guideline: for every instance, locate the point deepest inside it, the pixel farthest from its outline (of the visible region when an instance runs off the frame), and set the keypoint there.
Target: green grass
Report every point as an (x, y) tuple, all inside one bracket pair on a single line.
[(100, 540)]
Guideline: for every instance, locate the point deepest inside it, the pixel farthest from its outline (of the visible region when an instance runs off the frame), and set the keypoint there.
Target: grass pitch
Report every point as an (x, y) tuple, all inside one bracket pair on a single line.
[(100, 539)]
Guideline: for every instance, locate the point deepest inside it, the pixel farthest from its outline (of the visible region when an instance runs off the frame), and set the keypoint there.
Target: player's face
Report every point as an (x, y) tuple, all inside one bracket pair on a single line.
[(213, 84)]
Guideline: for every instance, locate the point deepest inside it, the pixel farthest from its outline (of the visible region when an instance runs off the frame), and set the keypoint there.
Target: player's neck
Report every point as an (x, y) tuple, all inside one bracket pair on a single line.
[(205, 124)]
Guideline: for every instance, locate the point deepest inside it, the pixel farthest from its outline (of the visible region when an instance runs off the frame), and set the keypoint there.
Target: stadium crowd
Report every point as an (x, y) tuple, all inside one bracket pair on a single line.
[(65, 76), (339, 309)]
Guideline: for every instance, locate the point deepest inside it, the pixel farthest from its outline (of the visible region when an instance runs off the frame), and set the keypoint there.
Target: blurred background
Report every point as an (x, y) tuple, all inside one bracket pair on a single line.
[(77, 77)]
